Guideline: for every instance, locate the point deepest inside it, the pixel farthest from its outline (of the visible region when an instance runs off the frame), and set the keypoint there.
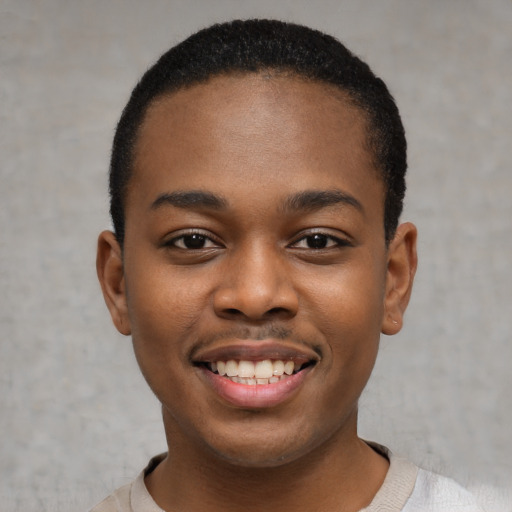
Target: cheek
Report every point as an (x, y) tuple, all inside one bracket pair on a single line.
[(348, 307), (157, 289), (164, 308), (349, 298)]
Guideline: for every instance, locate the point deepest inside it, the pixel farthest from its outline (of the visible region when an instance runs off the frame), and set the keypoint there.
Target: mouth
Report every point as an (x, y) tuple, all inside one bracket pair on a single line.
[(257, 373)]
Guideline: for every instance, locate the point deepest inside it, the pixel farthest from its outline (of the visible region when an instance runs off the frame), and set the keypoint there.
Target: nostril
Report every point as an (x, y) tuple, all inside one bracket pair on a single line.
[(232, 311), (272, 312), (275, 311)]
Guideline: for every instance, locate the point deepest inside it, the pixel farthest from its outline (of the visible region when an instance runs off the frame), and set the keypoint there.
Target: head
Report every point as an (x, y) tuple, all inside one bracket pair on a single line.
[(250, 192), (275, 48)]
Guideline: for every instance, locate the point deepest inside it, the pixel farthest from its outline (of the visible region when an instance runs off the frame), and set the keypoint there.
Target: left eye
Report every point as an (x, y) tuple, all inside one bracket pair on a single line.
[(318, 241), (193, 241)]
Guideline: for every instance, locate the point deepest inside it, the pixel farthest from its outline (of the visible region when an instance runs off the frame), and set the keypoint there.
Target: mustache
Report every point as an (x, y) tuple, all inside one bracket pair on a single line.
[(259, 333), (250, 333)]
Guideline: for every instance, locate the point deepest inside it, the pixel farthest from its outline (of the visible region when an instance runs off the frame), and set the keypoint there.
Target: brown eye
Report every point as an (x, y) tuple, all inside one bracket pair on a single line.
[(317, 241), (193, 241)]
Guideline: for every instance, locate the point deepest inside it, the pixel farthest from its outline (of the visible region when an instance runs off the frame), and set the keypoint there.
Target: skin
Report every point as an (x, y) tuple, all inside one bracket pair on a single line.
[(254, 147)]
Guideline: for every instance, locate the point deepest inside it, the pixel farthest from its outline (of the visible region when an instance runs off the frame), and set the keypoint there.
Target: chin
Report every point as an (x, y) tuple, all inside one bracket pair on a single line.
[(274, 451), (257, 458)]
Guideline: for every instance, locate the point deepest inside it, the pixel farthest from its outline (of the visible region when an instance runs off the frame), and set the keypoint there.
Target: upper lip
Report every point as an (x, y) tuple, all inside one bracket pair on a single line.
[(250, 350)]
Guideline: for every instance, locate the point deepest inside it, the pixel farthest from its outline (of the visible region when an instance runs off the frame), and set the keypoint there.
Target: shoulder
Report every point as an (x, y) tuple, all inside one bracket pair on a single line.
[(436, 493), (119, 501), (133, 497), (411, 489)]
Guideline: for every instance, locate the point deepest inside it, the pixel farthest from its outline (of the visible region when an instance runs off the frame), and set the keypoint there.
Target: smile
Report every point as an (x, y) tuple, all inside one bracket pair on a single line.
[(254, 373), (258, 374)]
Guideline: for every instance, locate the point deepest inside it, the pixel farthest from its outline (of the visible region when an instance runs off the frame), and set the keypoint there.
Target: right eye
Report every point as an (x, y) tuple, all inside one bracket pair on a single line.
[(192, 241), (318, 241)]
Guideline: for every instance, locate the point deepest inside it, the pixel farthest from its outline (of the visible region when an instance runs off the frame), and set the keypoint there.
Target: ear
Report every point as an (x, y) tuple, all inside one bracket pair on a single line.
[(402, 263), (109, 266)]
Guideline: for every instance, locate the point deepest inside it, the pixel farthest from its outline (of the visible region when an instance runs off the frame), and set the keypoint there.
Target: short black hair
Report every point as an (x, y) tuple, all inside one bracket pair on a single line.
[(251, 46)]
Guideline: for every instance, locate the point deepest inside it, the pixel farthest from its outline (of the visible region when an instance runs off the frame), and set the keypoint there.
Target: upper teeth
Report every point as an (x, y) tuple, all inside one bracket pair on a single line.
[(254, 369)]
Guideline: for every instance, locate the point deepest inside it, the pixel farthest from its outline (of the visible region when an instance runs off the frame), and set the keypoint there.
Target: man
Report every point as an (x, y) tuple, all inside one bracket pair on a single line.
[(257, 179)]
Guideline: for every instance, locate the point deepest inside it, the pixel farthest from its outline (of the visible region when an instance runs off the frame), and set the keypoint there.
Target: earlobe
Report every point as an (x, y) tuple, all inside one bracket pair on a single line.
[(401, 267), (110, 270)]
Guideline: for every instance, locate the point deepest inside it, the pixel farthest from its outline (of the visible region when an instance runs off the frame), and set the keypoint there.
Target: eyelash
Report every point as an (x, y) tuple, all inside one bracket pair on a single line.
[(336, 242), (174, 242), (328, 241)]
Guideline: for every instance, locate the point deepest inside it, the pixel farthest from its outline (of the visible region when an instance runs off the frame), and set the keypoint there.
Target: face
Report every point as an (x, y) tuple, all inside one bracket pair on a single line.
[(255, 279)]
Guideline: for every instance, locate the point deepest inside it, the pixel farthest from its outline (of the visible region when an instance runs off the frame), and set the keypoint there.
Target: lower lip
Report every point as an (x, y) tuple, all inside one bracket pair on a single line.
[(257, 396)]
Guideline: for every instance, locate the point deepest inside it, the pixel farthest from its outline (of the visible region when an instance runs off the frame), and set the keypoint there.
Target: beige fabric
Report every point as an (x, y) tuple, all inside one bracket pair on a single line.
[(397, 486), (405, 489), (133, 497), (435, 493)]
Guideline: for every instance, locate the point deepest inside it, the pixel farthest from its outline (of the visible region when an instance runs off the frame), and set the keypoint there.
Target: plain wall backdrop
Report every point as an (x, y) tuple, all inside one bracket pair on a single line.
[(76, 418)]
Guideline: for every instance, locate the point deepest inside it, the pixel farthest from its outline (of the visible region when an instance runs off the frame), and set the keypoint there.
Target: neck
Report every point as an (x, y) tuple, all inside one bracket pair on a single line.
[(343, 474)]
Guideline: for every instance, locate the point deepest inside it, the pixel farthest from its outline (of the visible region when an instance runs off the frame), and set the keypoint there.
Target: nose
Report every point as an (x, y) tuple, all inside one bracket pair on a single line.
[(256, 286)]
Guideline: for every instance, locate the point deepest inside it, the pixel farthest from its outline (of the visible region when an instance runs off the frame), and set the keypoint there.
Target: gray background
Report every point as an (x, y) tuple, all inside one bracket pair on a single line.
[(76, 418)]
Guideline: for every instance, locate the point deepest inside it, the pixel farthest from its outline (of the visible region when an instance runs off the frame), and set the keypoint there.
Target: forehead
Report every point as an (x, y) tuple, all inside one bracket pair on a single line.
[(255, 101), (253, 127)]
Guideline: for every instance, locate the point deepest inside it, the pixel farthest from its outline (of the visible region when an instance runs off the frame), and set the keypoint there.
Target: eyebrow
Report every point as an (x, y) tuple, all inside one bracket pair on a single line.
[(308, 200), (316, 199), (190, 199)]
